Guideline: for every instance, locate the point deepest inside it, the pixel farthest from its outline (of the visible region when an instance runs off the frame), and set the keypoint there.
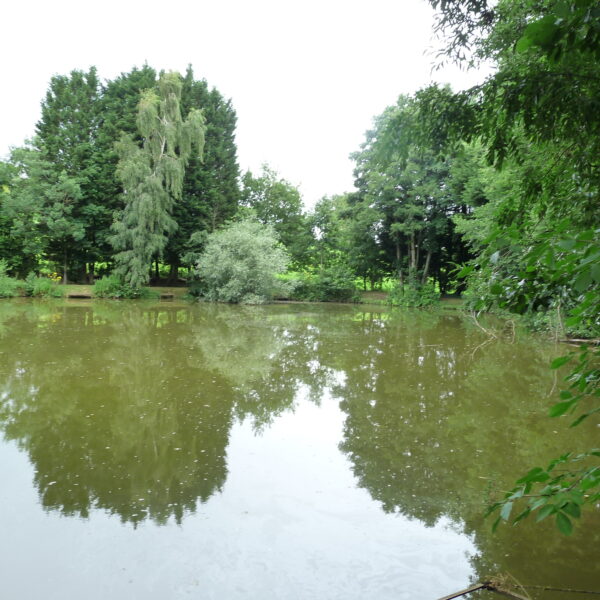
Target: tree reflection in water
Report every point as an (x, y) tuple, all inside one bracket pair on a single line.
[(129, 408)]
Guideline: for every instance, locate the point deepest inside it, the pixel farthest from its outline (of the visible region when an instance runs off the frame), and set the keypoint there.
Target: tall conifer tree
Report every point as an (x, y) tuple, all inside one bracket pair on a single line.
[(67, 140)]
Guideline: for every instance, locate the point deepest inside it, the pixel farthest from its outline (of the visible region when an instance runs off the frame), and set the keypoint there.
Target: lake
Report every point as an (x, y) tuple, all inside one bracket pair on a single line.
[(168, 451)]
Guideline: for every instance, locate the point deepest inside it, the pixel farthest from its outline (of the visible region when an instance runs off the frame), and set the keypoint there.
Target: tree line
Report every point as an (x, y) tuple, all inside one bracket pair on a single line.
[(63, 191), (132, 175), (493, 191)]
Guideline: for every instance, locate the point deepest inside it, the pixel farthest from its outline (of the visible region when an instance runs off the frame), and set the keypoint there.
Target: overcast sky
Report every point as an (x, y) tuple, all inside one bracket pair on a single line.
[(305, 77)]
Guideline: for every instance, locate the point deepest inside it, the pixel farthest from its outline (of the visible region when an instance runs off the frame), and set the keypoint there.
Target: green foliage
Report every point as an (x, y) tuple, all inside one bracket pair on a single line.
[(406, 199), (413, 296), (112, 286), (211, 193), (240, 264), (538, 247), (59, 194), (9, 287), (152, 177), (43, 211), (335, 283), (196, 288), (67, 138), (41, 287), (276, 202), (560, 490)]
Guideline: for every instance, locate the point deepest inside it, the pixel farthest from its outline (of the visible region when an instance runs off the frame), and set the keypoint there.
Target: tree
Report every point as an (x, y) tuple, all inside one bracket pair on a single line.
[(543, 252), (67, 138), (152, 177), (277, 202), (241, 264), (210, 194), (403, 189), (42, 211), (10, 248)]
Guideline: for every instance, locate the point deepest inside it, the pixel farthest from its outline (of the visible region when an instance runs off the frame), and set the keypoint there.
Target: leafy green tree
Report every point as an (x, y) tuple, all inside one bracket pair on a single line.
[(277, 202), (241, 264), (42, 209), (67, 137), (152, 177), (539, 113), (10, 248), (345, 235), (210, 194), (404, 193)]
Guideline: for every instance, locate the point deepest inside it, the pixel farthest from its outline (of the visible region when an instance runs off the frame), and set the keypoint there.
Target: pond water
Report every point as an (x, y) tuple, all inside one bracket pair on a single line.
[(166, 451)]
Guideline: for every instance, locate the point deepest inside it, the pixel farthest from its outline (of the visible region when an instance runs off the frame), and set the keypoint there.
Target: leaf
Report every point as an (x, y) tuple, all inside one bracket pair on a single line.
[(518, 494), (586, 236), (539, 502), (583, 417), (567, 244), (573, 509), (465, 271), (544, 512), (560, 408), (564, 523), (560, 361), (536, 474), (506, 510), (495, 525), (590, 481), (542, 32), (522, 515), (523, 44), (583, 281)]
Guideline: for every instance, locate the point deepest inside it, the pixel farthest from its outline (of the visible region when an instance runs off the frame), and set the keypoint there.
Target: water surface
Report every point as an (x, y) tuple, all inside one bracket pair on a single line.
[(199, 451)]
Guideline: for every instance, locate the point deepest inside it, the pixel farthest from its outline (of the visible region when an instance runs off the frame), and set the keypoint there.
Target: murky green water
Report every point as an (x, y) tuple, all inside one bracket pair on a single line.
[(172, 451)]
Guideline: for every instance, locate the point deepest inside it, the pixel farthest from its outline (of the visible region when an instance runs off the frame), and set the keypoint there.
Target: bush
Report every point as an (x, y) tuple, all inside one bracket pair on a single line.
[(41, 287), (330, 284), (240, 264), (413, 295), (9, 287), (196, 288), (111, 286)]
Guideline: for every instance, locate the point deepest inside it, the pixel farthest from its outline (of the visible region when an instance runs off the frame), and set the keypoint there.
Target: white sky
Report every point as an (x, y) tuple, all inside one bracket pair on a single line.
[(305, 77)]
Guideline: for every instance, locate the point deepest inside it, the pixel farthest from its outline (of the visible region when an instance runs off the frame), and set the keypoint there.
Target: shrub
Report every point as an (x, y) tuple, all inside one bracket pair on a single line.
[(330, 284), (196, 288), (9, 287), (413, 295), (112, 286), (41, 287), (240, 264)]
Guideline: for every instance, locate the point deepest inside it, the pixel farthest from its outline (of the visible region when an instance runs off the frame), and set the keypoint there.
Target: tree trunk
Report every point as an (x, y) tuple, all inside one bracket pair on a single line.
[(399, 262), (413, 257), (65, 278), (156, 271), (426, 268), (174, 272), (91, 267)]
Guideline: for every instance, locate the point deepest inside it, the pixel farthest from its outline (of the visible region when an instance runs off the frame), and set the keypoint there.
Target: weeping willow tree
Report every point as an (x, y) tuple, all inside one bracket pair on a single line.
[(152, 176)]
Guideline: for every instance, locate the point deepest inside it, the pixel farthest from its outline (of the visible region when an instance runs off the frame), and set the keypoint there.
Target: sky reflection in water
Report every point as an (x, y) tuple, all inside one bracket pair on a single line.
[(305, 452)]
